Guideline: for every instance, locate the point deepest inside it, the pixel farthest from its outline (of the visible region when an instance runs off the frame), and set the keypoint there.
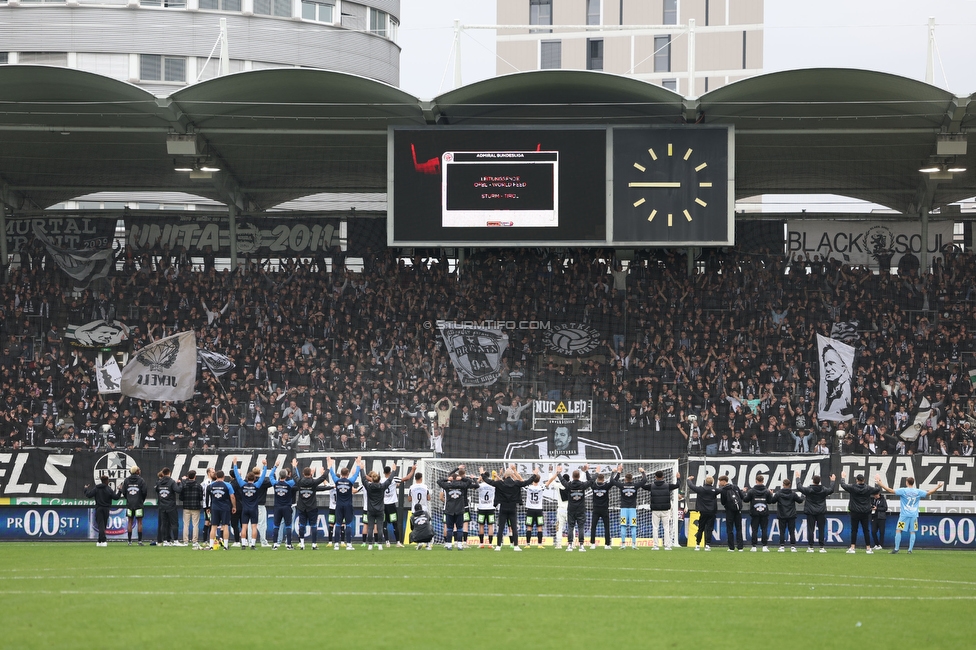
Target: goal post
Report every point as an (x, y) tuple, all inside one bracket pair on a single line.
[(435, 469)]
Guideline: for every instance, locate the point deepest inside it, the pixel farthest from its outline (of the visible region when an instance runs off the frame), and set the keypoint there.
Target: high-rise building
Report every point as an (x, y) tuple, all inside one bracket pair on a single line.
[(645, 39), (162, 45)]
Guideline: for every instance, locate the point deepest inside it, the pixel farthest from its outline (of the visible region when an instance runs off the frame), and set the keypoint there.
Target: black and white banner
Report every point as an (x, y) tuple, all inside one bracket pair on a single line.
[(164, 370), (83, 265), (836, 376), (217, 363), (476, 353), (859, 242), (258, 237), (73, 232), (958, 473), (572, 339), (845, 331), (97, 334), (108, 376), (56, 475)]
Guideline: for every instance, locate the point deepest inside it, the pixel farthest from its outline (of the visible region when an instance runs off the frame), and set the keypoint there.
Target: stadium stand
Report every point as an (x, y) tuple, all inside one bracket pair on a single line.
[(328, 358)]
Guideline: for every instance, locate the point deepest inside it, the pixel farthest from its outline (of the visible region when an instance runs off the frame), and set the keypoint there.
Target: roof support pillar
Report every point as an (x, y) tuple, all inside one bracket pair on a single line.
[(4, 261), (232, 230)]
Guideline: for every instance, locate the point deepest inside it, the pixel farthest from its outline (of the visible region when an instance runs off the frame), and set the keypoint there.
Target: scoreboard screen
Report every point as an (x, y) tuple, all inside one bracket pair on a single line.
[(502, 187)]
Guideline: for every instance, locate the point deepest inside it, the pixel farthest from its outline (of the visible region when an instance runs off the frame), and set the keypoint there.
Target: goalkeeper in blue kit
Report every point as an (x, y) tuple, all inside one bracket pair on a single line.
[(908, 515)]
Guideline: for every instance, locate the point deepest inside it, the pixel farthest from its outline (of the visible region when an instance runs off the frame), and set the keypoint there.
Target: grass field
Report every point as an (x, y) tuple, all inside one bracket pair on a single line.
[(74, 595)]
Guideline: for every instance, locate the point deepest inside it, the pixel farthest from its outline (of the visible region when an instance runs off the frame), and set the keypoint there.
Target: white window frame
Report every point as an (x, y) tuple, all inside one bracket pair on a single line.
[(599, 13), (162, 69), (557, 42), (318, 5)]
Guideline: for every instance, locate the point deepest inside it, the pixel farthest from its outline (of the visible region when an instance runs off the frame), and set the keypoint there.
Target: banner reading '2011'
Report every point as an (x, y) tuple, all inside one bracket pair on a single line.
[(259, 237)]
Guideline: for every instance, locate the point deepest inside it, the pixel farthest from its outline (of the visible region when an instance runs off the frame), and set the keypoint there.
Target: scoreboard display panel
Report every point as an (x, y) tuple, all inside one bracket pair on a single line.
[(455, 186)]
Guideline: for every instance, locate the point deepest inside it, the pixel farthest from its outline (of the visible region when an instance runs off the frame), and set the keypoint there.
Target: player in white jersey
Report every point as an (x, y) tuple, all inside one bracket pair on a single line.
[(332, 517), (419, 495), (561, 497), (486, 509), (391, 505), (534, 514)]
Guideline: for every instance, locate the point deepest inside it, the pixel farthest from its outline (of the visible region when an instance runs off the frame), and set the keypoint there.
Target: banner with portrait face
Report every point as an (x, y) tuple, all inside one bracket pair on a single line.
[(836, 358)]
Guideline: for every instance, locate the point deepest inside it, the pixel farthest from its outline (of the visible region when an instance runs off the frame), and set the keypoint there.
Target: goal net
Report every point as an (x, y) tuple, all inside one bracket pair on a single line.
[(440, 468)]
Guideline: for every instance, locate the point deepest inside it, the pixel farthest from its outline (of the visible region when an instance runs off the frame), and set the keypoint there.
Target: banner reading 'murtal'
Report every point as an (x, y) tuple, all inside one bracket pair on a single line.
[(164, 370)]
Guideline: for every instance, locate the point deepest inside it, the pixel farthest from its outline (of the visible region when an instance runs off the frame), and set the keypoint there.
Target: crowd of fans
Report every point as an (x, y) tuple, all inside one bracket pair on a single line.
[(329, 358)]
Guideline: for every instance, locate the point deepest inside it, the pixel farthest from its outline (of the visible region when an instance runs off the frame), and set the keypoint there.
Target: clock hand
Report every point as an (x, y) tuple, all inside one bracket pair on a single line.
[(663, 184)]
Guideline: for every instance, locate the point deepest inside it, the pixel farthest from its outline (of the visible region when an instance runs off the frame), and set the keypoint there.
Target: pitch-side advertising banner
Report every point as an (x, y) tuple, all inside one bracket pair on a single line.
[(860, 242)]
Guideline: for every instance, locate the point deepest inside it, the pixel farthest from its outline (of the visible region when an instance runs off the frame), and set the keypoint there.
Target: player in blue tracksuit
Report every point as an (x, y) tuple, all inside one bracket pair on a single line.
[(343, 489), (284, 497), (223, 503), (250, 498)]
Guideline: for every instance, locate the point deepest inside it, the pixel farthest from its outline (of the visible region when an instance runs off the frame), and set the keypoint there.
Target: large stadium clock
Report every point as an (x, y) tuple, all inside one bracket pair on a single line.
[(672, 186)]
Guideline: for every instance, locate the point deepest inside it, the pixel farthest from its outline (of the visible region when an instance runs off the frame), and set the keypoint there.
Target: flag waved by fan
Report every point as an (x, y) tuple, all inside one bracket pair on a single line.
[(217, 363), (164, 370), (108, 376), (82, 264)]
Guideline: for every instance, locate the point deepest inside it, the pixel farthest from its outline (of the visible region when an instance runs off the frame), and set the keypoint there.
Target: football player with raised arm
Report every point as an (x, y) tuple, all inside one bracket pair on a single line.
[(909, 497), (344, 485), (250, 492)]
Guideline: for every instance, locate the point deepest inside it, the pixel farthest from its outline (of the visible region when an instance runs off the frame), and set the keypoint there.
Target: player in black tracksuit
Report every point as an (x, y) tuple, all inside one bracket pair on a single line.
[(374, 512), (601, 506), (508, 493), (576, 511), (456, 487), (103, 495), (168, 529), (879, 512), (306, 489), (759, 496), (859, 506), (707, 506), (815, 509), (732, 502), (786, 499), (134, 491)]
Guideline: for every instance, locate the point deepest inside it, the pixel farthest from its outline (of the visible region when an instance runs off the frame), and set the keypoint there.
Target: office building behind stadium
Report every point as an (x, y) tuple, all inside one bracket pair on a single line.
[(162, 45)]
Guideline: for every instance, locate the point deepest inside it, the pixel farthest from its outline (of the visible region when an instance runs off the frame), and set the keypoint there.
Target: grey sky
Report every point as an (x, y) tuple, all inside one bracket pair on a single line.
[(885, 35)]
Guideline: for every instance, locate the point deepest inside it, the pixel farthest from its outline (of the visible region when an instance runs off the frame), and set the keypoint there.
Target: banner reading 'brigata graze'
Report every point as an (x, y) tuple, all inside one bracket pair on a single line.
[(259, 237), (958, 473), (860, 242)]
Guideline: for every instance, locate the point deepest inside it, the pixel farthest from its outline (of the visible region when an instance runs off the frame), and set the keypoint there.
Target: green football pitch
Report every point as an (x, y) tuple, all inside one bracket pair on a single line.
[(74, 595)]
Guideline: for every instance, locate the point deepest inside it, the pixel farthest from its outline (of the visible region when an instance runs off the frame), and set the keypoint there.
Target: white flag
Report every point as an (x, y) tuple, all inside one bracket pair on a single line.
[(109, 376), (218, 364), (164, 370), (834, 402)]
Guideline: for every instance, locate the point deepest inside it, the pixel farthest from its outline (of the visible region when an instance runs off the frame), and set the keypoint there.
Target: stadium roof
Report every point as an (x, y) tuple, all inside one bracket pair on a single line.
[(282, 134)]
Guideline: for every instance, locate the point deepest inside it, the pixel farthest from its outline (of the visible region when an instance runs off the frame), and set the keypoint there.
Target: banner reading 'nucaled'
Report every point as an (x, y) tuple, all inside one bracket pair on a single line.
[(476, 353), (836, 376), (164, 370)]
